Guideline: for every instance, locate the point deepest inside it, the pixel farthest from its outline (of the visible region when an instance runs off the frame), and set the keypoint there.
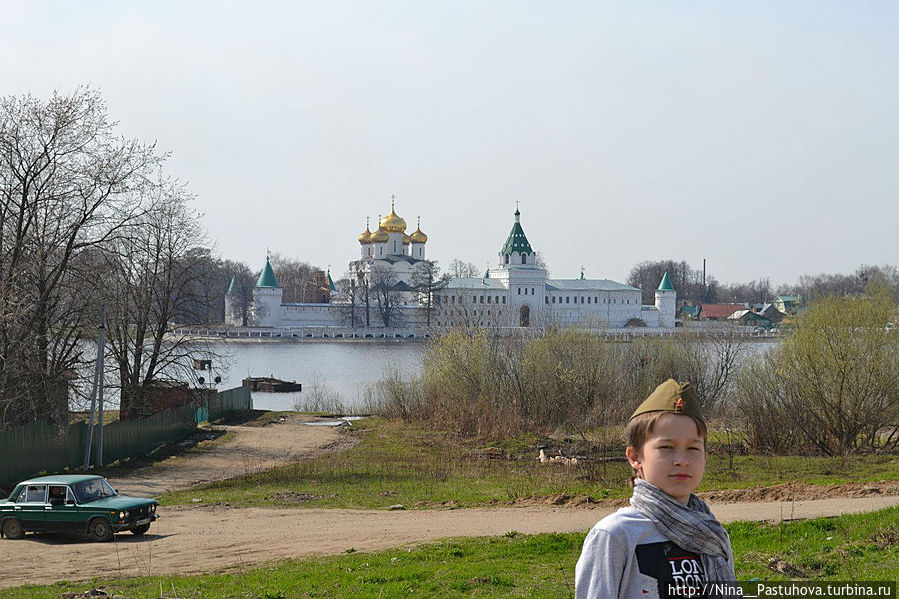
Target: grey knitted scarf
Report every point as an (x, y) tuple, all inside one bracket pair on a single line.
[(692, 527)]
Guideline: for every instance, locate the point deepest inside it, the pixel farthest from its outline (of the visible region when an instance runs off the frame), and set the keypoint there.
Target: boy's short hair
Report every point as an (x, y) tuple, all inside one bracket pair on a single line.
[(641, 426)]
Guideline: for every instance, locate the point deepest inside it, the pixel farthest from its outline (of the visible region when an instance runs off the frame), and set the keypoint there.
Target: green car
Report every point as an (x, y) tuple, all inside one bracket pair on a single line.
[(74, 503)]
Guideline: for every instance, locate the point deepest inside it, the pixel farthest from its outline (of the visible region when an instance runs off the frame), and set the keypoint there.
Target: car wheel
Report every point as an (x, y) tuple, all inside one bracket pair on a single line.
[(140, 530), (100, 530), (13, 529)]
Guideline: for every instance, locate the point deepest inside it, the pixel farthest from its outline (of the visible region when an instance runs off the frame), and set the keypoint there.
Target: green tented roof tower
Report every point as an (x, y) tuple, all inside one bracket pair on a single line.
[(267, 278), (331, 286), (666, 285), (230, 287), (517, 240)]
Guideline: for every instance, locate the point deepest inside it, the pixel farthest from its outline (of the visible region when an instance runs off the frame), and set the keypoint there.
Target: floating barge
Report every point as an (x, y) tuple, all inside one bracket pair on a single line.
[(271, 385)]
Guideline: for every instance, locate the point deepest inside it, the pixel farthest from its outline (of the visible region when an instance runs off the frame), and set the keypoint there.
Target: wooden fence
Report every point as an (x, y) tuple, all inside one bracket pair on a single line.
[(39, 447)]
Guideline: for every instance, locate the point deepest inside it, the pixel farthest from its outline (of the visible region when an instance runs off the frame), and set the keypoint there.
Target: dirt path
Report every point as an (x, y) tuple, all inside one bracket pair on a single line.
[(247, 449), (210, 538)]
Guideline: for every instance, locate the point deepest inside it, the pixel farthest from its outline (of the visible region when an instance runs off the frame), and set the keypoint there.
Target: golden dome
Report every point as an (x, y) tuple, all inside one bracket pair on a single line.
[(406, 239), (392, 223), (365, 236), (380, 236), (418, 236)]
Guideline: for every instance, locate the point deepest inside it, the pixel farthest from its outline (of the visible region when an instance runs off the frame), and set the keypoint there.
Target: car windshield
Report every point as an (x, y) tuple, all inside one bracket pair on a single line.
[(91, 490)]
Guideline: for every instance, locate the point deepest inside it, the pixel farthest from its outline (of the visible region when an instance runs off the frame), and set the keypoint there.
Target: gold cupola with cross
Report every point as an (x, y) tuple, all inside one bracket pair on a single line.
[(393, 223)]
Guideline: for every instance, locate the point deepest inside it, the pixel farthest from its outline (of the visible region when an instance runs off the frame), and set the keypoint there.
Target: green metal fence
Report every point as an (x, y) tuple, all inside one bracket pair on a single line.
[(232, 400), (39, 447)]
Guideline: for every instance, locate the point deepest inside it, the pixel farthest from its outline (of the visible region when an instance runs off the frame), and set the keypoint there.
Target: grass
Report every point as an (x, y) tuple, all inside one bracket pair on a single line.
[(856, 547), (396, 463), (853, 547)]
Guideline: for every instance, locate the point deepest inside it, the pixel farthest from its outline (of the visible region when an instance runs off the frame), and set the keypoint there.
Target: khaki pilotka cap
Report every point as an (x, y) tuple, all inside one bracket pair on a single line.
[(674, 397)]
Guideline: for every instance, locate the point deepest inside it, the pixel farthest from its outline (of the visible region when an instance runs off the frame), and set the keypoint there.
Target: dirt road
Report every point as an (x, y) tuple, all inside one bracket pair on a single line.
[(247, 449), (210, 538)]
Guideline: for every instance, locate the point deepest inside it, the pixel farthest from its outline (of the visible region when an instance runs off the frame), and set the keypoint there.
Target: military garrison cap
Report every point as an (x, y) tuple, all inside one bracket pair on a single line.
[(674, 397)]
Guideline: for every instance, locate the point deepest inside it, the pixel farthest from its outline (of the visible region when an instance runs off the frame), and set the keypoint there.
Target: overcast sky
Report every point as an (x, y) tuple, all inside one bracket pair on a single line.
[(762, 136)]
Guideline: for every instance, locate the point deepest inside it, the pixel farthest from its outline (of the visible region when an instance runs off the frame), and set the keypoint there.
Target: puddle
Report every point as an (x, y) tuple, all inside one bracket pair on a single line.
[(345, 421)]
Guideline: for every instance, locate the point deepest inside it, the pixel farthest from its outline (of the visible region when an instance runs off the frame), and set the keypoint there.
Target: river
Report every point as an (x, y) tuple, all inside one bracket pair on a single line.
[(341, 369), (345, 368)]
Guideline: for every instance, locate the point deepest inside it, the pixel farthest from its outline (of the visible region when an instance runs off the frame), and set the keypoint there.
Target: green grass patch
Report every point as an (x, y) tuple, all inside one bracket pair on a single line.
[(853, 547), (396, 463), (857, 547)]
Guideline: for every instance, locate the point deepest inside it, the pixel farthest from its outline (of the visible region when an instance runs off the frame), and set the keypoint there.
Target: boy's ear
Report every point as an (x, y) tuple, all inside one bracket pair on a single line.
[(633, 456)]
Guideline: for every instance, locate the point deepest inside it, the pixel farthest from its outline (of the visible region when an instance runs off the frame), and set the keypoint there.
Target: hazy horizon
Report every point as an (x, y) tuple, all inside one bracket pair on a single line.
[(761, 137)]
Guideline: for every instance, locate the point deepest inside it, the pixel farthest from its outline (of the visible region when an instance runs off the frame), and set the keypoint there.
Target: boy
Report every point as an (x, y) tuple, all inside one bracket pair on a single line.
[(668, 544)]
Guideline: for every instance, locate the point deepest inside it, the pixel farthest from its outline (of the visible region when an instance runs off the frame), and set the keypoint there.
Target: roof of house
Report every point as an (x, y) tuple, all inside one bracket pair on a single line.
[(401, 286), (748, 315), (587, 285), (475, 283), (394, 258), (720, 310), (691, 310), (788, 298)]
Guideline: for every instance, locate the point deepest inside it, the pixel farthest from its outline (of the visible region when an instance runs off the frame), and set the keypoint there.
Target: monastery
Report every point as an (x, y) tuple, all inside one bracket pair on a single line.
[(393, 268)]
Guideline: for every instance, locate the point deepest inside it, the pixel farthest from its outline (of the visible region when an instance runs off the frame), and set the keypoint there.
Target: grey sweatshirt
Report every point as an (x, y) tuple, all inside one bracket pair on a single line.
[(626, 557)]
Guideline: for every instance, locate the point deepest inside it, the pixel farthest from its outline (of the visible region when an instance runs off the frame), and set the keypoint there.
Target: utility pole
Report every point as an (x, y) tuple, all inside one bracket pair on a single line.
[(352, 303), (95, 393), (367, 307)]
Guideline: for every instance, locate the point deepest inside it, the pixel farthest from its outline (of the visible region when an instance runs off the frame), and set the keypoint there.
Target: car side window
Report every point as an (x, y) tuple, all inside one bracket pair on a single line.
[(57, 494), (70, 496), (36, 494)]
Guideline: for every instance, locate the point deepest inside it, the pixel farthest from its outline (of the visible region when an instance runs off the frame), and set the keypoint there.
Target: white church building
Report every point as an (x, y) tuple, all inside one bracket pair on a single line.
[(517, 293)]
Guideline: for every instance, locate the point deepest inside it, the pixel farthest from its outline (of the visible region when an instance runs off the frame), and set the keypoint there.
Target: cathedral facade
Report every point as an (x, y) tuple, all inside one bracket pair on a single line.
[(392, 268)]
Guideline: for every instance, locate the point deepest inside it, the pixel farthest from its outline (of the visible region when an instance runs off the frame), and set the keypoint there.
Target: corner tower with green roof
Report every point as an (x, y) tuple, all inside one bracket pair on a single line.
[(267, 278), (666, 301), (267, 298), (665, 284)]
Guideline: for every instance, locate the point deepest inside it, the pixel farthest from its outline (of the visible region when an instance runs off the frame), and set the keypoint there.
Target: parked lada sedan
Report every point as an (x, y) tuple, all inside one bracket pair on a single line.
[(73, 503)]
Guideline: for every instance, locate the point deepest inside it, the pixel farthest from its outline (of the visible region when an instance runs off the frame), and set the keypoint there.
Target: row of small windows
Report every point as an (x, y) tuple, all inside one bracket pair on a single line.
[(491, 299), (381, 250), (590, 299), (495, 299)]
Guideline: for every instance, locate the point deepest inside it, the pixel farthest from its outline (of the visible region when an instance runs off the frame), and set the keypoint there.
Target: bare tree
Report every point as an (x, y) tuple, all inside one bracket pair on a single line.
[(833, 382), (382, 284), (426, 280), (301, 281), (352, 288), (687, 281), (65, 180), (460, 269), (152, 275)]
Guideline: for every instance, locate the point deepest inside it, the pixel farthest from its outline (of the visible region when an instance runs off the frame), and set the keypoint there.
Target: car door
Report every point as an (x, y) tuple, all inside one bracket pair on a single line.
[(62, 514), (30, 506)]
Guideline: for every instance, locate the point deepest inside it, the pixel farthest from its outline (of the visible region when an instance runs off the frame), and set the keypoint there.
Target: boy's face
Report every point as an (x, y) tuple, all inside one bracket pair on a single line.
[(672, 458)]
